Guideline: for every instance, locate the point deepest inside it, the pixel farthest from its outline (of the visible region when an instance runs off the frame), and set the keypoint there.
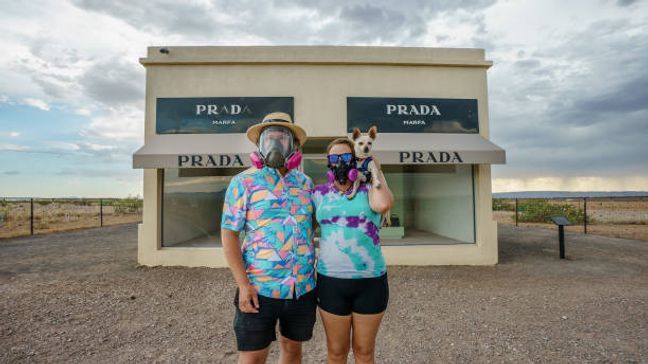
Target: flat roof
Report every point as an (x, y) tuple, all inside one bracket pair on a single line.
[(316, 55)]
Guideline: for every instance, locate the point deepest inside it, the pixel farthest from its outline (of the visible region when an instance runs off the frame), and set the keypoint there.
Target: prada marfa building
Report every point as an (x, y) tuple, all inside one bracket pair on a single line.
[(430, 106)]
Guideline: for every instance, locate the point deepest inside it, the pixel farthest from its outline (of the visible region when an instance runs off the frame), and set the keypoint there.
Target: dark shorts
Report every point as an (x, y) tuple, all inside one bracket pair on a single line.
[(342, 296), (255, 331)]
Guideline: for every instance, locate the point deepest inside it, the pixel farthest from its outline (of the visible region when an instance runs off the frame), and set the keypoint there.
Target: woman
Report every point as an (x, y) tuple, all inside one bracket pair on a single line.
[(351, 271)]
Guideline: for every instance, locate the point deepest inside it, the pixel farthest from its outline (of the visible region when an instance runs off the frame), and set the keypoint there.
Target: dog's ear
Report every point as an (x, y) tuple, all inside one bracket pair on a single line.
[(373, 131), (356, 134)]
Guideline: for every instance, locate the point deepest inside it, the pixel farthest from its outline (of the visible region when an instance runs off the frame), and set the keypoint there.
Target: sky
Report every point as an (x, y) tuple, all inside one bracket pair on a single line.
[(568, 91)]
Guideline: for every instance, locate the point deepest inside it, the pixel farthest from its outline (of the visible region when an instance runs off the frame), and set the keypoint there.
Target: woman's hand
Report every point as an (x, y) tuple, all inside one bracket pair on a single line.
[(381, 199), (248, 299)]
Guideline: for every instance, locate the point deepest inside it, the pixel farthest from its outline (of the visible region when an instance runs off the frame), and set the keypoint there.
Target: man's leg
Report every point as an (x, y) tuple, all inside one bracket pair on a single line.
[(255, 331), (290, 350), (296, 324), (254, 357)]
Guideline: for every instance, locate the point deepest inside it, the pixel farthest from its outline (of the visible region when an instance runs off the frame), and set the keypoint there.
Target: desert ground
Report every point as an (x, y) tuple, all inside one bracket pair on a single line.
[(81, 297)]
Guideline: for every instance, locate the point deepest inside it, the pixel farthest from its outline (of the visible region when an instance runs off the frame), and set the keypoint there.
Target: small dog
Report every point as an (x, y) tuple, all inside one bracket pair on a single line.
[(367, 170)]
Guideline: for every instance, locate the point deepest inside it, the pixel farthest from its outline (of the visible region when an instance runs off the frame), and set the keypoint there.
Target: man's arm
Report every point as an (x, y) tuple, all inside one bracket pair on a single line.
[(248, 299)]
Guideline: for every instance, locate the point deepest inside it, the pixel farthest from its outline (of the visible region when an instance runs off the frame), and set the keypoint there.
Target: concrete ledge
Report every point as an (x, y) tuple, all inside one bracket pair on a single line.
[(317, 55)]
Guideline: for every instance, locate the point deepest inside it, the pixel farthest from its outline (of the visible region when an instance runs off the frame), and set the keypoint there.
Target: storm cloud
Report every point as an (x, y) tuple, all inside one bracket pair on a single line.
[(568, 91)]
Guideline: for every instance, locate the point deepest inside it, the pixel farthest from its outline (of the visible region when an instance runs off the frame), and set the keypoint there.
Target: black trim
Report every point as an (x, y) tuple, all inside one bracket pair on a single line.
[(162, 209), (472, 171)]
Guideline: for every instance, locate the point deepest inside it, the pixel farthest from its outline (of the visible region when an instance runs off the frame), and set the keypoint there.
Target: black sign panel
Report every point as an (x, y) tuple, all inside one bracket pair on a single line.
[(215, 115), (412, 115)]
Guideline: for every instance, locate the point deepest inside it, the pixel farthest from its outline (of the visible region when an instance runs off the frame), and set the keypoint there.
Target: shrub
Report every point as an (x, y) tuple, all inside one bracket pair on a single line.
[(503, 204), (541, 210), (126, 205)]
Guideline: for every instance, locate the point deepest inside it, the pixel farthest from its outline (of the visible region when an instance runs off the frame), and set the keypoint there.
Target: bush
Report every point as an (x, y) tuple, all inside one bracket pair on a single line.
[(503, 204), (542, 210), (125, 205)]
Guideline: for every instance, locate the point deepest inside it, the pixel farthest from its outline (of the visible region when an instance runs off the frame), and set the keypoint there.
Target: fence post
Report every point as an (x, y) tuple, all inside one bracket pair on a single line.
[(101, 212), (31, 216), (585, 212), (516, 212)]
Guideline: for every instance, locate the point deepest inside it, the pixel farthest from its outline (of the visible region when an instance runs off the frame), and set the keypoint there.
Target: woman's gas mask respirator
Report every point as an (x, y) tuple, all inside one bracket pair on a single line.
[(276, 149), (342, 168)]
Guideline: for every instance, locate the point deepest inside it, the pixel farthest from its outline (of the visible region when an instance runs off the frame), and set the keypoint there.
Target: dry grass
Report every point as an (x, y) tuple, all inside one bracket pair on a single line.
[(58, 216), (620, 218)]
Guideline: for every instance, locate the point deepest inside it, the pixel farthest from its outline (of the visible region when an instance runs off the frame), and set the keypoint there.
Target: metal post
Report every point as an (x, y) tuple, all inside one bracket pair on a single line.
[(101, 212), (561, 238), (31, 216), (516, 212), (585, 212)]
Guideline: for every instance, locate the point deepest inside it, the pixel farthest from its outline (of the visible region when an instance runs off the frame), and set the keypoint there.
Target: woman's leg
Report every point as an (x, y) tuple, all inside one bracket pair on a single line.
[(365, 329), (338, 336)]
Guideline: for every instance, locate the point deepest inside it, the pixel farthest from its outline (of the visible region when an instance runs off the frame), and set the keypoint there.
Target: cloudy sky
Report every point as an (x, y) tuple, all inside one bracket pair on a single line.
[(568, 89)]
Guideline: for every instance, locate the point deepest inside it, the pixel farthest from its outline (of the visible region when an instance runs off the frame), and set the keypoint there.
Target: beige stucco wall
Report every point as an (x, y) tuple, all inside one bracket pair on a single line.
[(320, 79)]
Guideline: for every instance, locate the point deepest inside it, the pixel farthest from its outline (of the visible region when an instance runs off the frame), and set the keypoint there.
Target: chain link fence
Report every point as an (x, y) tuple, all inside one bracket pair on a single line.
[(31, 216), (619, 217)]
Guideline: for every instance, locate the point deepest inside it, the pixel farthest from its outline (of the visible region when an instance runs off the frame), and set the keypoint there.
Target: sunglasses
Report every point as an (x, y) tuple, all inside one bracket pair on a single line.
[(335, 158)]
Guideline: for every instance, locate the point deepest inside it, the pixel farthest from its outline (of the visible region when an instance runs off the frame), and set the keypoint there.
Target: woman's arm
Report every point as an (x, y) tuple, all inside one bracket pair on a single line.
[(381, 199)]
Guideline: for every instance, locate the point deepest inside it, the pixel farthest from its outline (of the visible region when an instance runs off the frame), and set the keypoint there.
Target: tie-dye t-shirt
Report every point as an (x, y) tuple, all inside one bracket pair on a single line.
[(350, 244), (277, 216)]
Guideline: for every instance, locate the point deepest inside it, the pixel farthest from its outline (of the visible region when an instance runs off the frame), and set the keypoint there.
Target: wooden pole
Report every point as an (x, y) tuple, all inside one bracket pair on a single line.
[(516, 212), (31, 216), (585, 212)]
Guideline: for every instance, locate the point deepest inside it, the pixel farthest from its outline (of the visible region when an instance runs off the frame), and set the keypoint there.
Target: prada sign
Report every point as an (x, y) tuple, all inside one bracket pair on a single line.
[(441, 157), (215, 115), (209, 160), (412, 115)]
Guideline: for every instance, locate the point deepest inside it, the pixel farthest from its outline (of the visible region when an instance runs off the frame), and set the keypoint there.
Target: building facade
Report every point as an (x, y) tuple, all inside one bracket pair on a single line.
[(430, 106)]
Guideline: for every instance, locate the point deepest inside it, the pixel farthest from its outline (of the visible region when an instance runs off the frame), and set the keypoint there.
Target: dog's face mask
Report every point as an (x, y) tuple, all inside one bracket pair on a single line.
[(275, 145)]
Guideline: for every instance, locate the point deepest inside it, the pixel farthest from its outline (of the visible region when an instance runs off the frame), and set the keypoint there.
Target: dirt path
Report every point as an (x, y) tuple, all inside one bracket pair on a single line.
[(80, 297)]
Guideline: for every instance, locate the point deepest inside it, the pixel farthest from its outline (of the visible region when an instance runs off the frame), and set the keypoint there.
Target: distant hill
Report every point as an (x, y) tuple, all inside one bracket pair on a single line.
[(568, 194)]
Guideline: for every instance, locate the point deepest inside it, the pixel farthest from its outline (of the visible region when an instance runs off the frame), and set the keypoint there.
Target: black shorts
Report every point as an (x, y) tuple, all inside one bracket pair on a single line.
[(255, 331), (342, 296)]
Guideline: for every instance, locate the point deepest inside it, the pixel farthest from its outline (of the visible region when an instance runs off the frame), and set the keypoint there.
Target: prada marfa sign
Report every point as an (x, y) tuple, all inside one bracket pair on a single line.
[(215, 115), (412, 115)]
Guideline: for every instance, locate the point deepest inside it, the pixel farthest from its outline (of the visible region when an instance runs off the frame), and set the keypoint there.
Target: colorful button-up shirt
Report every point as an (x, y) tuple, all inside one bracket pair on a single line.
[(275, 213)]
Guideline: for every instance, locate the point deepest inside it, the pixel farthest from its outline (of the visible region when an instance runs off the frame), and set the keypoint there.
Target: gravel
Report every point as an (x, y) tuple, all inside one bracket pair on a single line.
[(81, 297)]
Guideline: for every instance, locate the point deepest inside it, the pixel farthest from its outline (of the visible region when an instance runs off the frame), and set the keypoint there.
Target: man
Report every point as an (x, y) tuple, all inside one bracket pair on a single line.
[(273, 268)]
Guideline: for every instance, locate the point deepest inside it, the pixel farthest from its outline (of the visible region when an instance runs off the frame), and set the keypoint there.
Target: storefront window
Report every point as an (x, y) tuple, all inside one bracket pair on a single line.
[(433, 204), (193, 204)]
